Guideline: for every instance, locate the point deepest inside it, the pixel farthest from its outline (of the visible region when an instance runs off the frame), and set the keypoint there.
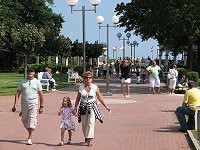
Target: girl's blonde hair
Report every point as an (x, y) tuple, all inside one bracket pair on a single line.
[(69, 104)]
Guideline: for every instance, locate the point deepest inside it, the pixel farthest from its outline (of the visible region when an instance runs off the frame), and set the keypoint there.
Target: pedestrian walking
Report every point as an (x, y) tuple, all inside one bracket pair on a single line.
[(117, 66), (125, 78), (143, 74), (31, 91), (88, 110), (154, 80), (104, 67), (67, 123), (137, 75)]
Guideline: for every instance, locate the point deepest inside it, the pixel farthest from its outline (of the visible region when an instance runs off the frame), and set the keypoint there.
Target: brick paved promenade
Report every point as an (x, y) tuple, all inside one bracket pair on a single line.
[(142, 122)]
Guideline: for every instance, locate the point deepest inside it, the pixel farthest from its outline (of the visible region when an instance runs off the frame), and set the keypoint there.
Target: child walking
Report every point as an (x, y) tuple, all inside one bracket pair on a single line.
[(66, 111)]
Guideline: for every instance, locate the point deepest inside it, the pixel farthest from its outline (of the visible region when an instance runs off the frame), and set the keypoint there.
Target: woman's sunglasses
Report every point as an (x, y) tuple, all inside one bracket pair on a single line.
[(88, 77)]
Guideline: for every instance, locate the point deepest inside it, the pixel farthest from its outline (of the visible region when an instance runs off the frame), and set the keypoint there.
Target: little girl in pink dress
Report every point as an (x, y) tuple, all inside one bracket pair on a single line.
[(66, 111)]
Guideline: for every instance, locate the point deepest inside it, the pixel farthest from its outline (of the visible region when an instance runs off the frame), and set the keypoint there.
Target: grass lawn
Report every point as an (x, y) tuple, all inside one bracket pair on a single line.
[(10, 81)]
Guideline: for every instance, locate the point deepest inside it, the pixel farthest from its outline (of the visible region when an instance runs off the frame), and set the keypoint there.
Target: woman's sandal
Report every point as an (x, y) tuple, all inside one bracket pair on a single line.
[(89, 143)]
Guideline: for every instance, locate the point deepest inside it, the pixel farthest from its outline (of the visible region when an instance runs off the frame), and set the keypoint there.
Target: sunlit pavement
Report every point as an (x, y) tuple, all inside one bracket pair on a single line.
[(143, 121)]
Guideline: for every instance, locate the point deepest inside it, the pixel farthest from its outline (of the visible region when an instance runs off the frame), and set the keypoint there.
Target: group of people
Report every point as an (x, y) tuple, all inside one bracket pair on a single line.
[(86, 108)]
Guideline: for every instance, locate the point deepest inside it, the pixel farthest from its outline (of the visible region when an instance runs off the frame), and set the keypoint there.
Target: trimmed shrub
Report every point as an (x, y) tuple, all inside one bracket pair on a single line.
[(191, 75)]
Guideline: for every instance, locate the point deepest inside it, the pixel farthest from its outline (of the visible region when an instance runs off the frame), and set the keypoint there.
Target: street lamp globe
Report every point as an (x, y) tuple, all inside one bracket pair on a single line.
[(135, 43), (119, 35), (128, 35), (72, 2), (100, 19), (115, 19), (95, 2)]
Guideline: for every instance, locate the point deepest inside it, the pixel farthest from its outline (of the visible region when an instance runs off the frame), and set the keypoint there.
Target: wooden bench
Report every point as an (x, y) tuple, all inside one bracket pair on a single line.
[(44, 82)]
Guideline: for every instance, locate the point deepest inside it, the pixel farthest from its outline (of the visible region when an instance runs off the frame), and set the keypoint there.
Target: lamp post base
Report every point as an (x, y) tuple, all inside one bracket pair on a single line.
[(107, 94)]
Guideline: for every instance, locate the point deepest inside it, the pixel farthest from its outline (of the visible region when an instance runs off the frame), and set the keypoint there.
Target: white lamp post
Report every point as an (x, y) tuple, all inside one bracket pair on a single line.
[(100, 20), (119, 35), (135, 44), (72, 3)]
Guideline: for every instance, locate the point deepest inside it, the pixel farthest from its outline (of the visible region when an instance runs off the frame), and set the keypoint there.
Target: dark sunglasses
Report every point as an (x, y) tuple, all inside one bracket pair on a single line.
[(88, 77)]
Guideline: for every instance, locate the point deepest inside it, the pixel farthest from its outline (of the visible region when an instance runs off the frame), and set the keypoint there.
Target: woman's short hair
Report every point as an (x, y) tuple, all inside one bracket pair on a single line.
[(88, 73)]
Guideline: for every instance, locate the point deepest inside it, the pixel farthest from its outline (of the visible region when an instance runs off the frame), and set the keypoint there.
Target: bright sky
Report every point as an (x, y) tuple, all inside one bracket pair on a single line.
[(72, 27)]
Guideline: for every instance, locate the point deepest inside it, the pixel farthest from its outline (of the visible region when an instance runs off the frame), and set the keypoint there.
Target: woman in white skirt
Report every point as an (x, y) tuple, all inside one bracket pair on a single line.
[(125, 78)]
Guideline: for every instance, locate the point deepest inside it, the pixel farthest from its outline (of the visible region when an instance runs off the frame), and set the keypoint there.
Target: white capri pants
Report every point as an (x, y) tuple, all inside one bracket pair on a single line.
[(154, 82), (88, 124), (29, 115)]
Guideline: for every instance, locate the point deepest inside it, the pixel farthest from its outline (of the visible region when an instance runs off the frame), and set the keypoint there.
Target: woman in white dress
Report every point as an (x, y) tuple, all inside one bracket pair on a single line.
[(173, 75)]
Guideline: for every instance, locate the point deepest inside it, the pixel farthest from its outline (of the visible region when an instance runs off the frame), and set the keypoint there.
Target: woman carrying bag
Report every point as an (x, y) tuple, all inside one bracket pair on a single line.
[(88, 111)]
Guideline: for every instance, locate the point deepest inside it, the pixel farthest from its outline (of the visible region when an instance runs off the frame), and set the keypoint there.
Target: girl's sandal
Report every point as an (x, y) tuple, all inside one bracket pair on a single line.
[(61, 143), (69, 142)]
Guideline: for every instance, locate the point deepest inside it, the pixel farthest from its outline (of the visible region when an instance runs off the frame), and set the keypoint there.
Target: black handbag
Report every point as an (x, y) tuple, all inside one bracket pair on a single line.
[(83, 110)]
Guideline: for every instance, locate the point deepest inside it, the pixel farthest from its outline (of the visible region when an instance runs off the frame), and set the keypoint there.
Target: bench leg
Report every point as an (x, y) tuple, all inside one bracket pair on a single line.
[(191, 122)]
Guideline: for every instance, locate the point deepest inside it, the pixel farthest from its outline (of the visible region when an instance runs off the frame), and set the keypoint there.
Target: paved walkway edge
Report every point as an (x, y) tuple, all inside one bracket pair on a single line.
[(193, 139)]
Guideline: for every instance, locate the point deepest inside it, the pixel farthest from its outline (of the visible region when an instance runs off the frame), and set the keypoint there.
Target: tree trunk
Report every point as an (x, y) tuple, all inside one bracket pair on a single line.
[(189, 59), (25, 66), (61, 68), (198, 55)]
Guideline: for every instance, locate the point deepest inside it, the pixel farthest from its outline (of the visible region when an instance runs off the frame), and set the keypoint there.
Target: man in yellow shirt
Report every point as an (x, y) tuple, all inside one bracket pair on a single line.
[(191, 99)]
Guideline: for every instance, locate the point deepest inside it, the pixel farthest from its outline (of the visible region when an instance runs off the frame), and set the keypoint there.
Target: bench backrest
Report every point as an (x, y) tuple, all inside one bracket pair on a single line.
[(40, 75)]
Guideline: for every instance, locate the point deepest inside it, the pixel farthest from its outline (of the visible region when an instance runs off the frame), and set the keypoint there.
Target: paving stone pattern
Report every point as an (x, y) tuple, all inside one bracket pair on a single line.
[(143, 121)]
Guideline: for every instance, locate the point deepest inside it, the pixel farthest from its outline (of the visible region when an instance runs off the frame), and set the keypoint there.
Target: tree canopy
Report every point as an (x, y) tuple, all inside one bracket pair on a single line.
[(174, 24)]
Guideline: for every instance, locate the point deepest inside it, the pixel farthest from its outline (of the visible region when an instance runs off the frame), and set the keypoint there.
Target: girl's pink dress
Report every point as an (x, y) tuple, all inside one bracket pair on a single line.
[(66, 121)]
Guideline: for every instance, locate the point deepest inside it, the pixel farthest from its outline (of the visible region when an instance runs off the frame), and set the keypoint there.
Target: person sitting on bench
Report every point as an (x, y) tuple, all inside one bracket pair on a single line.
[(183, 82), (46, 75), (191, 99)]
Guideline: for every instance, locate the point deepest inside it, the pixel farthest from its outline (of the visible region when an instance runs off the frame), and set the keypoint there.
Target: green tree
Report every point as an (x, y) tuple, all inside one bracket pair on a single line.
[(175, 24), (15, 14), (93, 50), (26, 40), (63, 49)]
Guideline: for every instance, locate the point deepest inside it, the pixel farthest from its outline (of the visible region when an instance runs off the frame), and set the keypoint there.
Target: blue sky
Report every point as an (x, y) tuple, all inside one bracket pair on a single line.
[(72, 27)]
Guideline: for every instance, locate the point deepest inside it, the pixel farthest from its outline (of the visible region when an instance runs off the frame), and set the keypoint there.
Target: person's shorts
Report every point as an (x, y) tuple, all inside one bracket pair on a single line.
[(128, 80), (154, 82), (29, 115)]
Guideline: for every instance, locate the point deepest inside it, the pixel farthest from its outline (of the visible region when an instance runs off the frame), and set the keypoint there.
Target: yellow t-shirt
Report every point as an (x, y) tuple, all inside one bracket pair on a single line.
[(192, 98)]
